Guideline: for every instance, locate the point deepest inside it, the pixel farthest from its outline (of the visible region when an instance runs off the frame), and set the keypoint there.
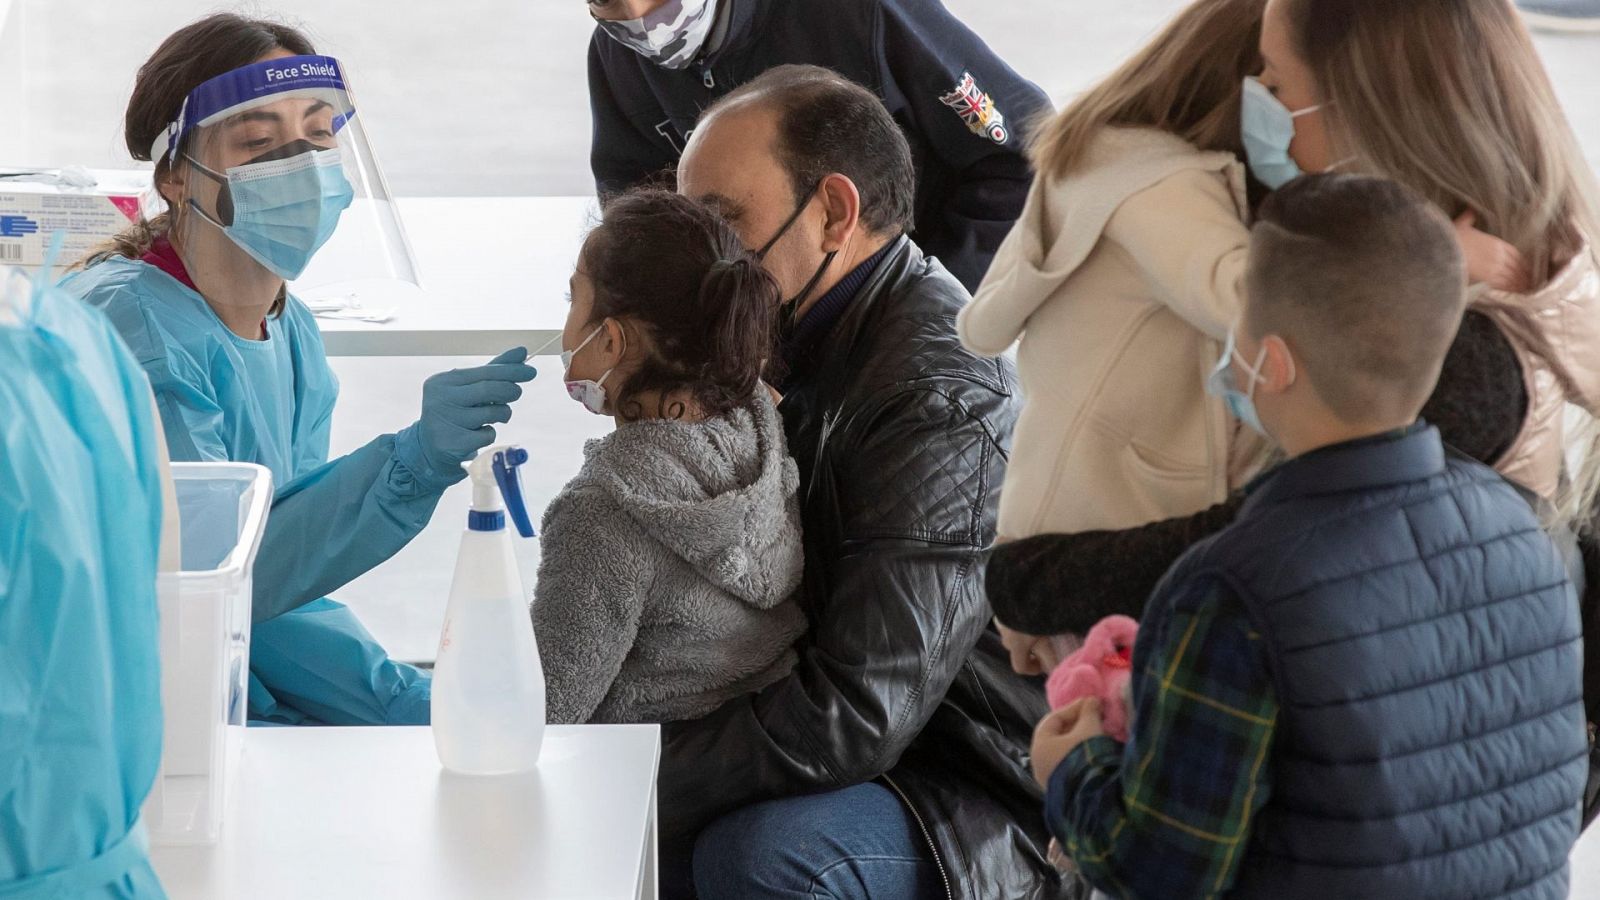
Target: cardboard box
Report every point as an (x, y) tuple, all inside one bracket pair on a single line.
[(89, 205)]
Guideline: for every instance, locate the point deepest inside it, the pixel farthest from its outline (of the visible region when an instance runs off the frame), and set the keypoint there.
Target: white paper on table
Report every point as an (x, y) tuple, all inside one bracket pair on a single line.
[(346, 306)]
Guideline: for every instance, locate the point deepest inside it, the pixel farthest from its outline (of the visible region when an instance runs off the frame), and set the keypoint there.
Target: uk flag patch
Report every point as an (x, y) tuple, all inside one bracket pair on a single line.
[(977, 109)]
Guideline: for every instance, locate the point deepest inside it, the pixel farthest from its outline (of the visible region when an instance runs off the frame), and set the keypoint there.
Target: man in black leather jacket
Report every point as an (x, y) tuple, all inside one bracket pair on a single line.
[(892, 762)]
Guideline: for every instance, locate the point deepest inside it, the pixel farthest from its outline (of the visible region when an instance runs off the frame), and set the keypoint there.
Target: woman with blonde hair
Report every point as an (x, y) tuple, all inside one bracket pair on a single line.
[(1449, 98)]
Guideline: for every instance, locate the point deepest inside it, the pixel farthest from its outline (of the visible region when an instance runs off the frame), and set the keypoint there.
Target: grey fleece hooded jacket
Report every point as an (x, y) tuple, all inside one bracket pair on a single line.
[(668, 570)]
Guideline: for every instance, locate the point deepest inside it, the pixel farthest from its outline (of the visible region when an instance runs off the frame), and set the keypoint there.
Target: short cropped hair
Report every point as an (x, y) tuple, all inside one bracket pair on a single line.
[(1365, 280), (829, 124)]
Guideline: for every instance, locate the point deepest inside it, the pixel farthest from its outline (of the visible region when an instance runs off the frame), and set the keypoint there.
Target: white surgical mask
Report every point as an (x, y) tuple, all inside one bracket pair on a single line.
[(592, 394), (1267, 129), (1225, 384)]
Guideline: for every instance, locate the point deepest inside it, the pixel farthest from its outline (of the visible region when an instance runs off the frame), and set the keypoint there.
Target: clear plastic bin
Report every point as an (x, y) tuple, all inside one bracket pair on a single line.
[(205, 647)]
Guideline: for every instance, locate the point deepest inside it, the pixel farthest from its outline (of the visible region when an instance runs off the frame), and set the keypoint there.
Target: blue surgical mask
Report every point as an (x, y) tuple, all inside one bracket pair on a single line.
[(1224, 382), (282, 210), (1267, 128)]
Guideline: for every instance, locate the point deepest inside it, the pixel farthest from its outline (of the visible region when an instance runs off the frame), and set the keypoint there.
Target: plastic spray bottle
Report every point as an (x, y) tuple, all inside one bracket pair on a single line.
[(488, 685)]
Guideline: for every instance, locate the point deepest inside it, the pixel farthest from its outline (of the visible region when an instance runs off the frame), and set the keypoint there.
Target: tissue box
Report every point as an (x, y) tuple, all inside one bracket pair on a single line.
[(89, 205)]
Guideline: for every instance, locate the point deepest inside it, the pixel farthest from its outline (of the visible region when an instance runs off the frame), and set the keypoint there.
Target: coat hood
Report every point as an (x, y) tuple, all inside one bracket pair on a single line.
[(721, 494)]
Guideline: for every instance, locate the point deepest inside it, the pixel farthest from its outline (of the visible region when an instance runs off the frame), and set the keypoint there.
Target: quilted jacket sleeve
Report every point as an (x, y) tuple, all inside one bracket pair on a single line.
[(894, 595)]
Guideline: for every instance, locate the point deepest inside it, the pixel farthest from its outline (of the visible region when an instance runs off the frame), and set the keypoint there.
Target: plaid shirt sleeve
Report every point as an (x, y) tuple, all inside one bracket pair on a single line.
[(1169, 814)]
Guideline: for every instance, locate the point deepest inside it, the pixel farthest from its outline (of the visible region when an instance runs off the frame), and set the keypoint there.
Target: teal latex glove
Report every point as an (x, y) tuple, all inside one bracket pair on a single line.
[(461, 407)]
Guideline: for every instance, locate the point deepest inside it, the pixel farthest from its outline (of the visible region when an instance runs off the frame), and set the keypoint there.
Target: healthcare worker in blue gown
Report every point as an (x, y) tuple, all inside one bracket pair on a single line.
[(81, 507), (258, 152)]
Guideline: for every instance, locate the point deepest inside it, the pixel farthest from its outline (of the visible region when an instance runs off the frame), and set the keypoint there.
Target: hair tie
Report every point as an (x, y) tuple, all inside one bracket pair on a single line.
[(739, 267), (741, 263)]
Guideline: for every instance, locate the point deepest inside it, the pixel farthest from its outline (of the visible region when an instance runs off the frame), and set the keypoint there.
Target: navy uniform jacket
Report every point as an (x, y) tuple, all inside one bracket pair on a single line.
[(963, 110)]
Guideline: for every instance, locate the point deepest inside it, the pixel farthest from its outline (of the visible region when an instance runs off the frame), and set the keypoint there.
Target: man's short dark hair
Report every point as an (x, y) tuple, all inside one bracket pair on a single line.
[(1365, 279), (828, 123)]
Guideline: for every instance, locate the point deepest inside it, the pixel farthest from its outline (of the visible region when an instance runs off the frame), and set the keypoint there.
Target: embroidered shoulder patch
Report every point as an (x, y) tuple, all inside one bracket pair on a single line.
[(977, 109)]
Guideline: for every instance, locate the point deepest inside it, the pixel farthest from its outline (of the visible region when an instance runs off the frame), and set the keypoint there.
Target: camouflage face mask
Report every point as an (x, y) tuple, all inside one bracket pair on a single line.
[(671, 37)]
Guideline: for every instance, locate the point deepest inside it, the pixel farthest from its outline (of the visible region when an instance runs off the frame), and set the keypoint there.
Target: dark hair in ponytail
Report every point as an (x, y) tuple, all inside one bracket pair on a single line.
[(191, 56), (672, 267)]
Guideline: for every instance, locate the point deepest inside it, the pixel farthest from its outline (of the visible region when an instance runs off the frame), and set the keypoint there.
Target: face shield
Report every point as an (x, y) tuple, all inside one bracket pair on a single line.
[(269, 174)]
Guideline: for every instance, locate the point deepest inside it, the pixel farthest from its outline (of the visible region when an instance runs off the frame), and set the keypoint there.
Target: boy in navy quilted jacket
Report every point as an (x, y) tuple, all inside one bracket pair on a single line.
[(1368, 685)]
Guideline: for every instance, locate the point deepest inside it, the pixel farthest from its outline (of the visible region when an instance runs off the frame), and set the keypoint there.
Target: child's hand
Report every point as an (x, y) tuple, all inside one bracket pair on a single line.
[(1061, 732), (1030, 654), (1490, 260)]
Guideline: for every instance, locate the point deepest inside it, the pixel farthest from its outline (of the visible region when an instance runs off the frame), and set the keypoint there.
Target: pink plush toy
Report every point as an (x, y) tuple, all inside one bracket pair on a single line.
[(1102, 667)]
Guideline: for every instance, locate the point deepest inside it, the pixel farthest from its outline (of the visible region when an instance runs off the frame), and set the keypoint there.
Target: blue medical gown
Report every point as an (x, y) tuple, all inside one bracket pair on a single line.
[(80, 533), (222, 397)]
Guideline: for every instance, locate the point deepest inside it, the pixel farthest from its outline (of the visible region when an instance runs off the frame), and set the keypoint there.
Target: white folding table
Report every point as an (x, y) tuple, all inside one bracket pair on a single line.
[(338, 813), (494, 273)]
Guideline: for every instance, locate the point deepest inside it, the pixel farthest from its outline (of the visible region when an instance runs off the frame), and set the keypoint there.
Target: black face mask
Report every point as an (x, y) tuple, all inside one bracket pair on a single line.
[(791, 307), (225, 197)]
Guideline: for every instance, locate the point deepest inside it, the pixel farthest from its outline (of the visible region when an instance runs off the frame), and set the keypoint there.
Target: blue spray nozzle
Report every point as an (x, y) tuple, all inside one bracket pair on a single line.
[(506, 475)]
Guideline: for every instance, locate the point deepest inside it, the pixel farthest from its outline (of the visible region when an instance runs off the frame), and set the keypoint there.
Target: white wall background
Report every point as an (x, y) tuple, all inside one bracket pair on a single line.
[(488, 96)]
